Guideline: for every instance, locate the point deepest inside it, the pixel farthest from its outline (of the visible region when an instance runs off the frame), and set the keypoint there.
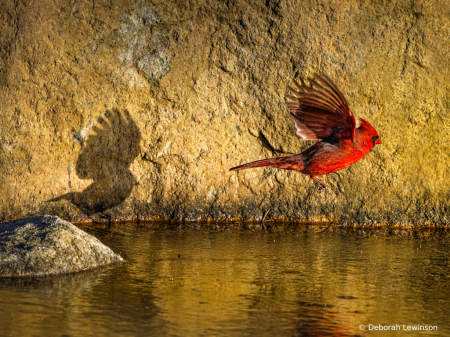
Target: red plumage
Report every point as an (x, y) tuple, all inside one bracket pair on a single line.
[(320, 111)]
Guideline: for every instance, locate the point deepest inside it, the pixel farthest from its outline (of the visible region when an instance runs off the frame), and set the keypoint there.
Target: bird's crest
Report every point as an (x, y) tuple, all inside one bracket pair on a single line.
[(366, 125)]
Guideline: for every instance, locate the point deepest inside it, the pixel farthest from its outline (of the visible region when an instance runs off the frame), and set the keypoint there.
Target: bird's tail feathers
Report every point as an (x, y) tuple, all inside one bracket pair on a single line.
[(286, 163)]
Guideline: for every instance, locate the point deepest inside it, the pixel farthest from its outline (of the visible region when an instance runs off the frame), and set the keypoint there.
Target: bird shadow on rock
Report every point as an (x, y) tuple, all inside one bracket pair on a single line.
[(106, 156)]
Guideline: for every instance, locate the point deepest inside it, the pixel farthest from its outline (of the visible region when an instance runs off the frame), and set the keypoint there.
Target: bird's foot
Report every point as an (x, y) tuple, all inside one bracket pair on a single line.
[(322, 186)]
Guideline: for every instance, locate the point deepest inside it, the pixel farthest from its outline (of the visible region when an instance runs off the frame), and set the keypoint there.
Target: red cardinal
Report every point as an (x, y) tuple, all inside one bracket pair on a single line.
[(320, 111)]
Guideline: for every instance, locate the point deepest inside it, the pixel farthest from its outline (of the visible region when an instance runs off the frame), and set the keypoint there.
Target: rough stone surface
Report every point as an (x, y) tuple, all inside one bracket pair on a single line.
[(47, 245), (139, 108)]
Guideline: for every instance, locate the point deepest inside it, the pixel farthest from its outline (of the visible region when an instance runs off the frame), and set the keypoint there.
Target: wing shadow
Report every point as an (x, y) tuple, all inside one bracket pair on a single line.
[(106, 156)]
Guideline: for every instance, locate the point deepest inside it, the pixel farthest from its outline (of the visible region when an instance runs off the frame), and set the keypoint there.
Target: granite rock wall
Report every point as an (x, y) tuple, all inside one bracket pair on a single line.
[(125, 109)]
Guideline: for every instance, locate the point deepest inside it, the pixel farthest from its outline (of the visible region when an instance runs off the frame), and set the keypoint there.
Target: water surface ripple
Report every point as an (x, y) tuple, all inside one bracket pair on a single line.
[(217, 281)]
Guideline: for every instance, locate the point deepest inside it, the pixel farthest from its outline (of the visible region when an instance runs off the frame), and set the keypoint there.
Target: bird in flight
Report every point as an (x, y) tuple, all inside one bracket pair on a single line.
[(320, 111)]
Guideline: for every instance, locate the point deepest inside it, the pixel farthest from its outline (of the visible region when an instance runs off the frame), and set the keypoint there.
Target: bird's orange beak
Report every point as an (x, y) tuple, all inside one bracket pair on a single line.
[(378, 141)]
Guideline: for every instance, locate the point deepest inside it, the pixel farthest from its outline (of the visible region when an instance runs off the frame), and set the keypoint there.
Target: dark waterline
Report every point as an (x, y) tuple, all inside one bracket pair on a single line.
[(287, 280)]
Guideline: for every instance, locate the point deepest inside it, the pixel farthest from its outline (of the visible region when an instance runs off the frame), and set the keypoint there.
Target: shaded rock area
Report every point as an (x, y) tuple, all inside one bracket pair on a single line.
[(47, 245), (137, 109)]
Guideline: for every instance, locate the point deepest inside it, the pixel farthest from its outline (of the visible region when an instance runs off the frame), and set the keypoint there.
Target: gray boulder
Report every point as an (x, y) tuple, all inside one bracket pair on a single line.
[(48, 245)]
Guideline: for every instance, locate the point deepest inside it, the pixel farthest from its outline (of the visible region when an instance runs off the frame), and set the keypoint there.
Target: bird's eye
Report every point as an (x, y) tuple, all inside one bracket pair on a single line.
[(374, 139)]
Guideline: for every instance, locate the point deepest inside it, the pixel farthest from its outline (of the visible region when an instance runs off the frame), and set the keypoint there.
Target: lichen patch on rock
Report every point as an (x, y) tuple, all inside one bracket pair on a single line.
[(145, 47)]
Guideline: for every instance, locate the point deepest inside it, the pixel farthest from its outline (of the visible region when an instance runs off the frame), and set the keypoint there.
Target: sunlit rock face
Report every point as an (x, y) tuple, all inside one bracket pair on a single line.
[(138, 109)]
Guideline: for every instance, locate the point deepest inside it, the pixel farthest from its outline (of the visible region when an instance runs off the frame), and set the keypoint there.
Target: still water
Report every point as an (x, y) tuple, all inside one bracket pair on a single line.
[(287, 280)]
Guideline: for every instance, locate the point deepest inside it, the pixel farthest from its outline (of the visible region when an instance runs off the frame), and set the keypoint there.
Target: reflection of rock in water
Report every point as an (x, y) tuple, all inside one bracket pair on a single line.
[(106, 158), (56, 285)]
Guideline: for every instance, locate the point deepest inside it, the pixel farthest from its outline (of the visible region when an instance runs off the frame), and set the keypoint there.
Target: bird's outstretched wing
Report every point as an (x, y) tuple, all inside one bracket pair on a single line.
[(320, 110), (113, 144)]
